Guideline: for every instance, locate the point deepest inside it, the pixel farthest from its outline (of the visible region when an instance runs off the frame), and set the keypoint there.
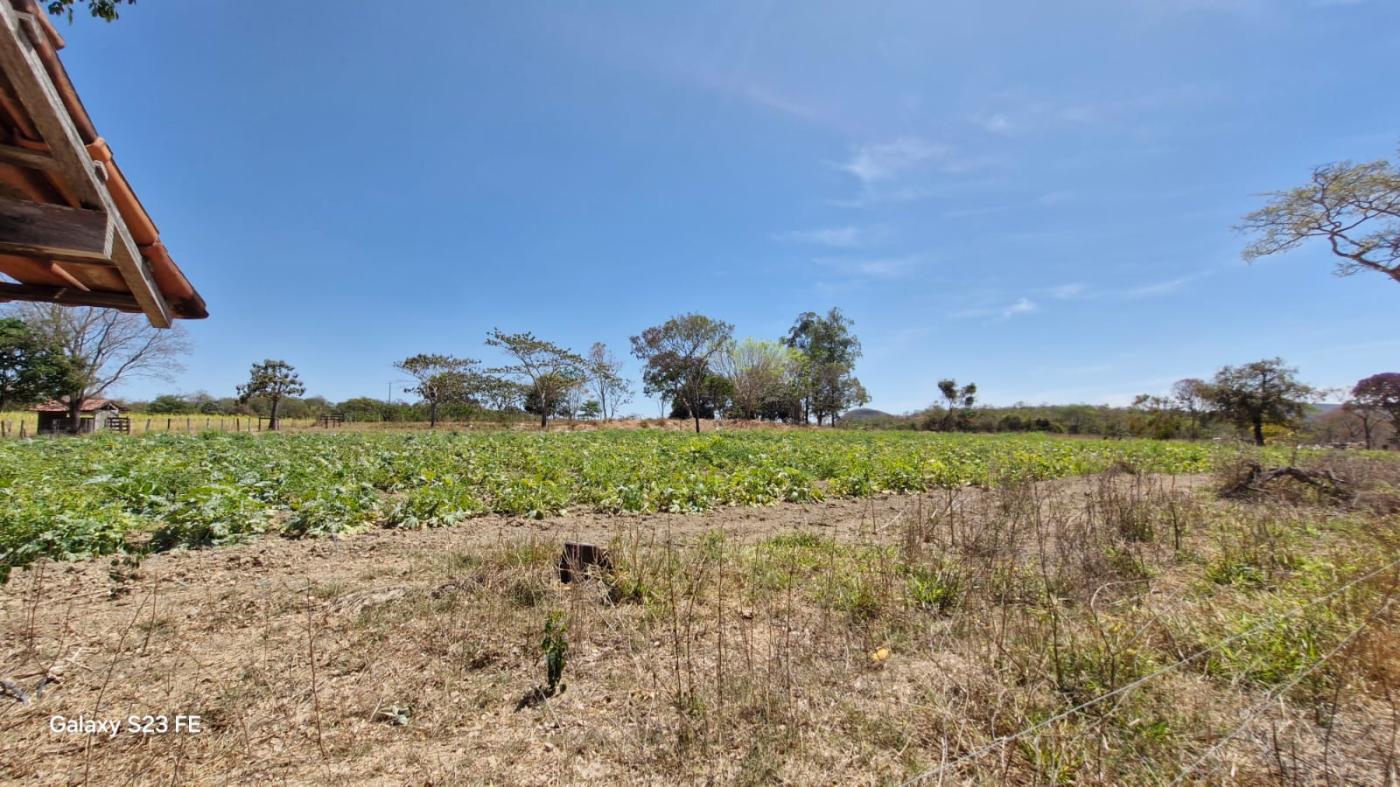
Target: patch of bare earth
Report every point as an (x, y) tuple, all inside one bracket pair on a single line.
[(844, 641)]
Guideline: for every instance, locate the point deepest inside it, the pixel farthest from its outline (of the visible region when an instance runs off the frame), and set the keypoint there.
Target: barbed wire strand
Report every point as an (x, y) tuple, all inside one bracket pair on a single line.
[(1005, 739), (1279, 691)]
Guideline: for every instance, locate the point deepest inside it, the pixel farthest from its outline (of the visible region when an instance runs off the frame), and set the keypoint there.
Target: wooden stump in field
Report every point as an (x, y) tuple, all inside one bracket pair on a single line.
[(576, 560)]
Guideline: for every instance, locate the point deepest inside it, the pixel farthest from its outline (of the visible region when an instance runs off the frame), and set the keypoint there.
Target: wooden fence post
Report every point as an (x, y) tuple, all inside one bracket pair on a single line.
[(168, 422)]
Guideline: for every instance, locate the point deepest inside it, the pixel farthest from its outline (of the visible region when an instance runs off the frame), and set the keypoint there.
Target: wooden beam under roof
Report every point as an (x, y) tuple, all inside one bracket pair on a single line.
[(68, 296), (36, 91), (36, 229), (24, 157)]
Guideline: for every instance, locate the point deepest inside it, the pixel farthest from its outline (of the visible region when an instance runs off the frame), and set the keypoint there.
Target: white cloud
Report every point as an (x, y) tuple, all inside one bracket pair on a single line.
[(1168, 287), (836, 237), (1017, 307), (1019, 112), (995, 123), (870, 197), (872, 268), (1156, 10), (886, 161), (1066, 292), (966, 213), (770, 99), (905, 169), (1021, 306)]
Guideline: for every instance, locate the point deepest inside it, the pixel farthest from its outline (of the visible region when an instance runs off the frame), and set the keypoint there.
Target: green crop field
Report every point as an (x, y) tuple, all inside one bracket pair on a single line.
[(74, 497)]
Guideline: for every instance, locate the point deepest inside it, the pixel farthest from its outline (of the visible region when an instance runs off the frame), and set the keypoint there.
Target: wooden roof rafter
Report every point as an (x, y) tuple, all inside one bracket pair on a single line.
[(66, 225)]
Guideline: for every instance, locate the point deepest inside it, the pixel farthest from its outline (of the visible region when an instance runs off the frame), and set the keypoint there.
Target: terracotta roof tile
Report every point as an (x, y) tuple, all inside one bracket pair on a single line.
[(18, 130)]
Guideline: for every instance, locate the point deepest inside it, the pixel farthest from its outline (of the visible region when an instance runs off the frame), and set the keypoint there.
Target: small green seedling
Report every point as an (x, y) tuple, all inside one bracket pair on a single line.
[(556, 649)]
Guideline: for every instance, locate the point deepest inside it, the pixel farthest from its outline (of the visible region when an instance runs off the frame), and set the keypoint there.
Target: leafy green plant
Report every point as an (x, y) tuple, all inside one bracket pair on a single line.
[(555, 646), (933, 588), (111, 493)]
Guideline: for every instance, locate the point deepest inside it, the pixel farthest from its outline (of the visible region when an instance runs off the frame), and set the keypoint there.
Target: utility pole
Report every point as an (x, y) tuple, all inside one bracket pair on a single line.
[(390, 386)]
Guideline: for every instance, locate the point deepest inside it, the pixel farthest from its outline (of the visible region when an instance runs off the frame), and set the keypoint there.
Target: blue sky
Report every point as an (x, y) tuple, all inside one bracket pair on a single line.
[(1035, 196)]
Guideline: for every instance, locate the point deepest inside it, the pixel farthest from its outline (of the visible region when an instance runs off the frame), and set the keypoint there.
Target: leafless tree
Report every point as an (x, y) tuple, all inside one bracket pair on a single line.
[(1361, 419), (1193, 396), (106, 347), (606, 381), (761, 372)]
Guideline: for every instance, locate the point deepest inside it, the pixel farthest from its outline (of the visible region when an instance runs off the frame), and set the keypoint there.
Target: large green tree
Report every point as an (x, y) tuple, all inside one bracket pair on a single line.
[(1260, 393), (170, 404), (104, 347), (680, 357), (440, 379), (271, 381), (545, 371), (957, 398), (1354, 208), (32, 368), (1378, 394), (829, 352)]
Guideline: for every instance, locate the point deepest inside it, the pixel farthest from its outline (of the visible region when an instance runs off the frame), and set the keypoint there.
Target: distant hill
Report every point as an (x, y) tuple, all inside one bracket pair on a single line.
[(864, 414), (1317, 410)]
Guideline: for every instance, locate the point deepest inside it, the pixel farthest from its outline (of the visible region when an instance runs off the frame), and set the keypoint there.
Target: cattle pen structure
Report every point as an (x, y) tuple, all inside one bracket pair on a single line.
[(72, 231)]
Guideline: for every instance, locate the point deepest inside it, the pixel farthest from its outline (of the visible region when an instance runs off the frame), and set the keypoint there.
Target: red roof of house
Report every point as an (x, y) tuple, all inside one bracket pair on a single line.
[(80, 282), (60, 406)]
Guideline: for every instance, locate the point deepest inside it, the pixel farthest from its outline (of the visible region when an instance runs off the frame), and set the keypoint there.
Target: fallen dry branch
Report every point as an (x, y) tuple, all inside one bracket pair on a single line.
[(1256, 482)]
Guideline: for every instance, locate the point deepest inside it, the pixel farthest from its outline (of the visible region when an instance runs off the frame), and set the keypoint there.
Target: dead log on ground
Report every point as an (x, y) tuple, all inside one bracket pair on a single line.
[(1257, 478)]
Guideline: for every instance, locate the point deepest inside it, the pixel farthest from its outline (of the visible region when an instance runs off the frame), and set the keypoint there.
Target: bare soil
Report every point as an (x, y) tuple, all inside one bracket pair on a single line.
[(370, 659)]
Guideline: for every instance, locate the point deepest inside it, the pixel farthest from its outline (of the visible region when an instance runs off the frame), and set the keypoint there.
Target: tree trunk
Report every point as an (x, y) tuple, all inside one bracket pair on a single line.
[(272, 417), (544, 418), (75, 414), (1366, 432), (432, 414), (697, 422), (1258, 430)]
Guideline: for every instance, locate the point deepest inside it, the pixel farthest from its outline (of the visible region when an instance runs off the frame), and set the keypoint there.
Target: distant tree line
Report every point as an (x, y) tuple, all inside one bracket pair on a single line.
[(691, 362), (362, 409), (1258, 401)]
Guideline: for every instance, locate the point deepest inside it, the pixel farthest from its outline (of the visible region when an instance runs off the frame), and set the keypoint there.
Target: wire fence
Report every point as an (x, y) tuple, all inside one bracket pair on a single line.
[(22, 425), (1281, 689), (25, 424), (952, 765)]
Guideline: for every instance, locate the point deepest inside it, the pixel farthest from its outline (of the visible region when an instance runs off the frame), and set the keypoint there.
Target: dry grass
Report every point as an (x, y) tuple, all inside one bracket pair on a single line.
[(896, 637)]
